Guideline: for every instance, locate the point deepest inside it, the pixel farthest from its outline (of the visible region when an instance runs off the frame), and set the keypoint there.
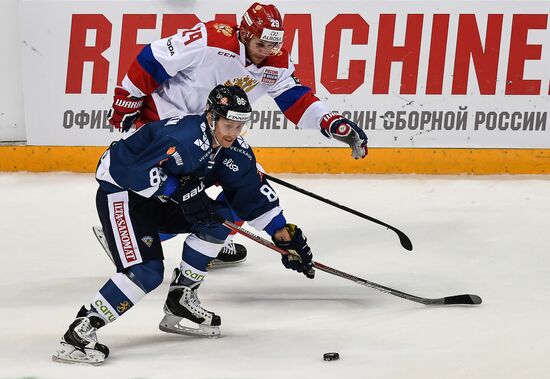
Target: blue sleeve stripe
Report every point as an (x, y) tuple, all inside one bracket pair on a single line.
[(278, 222), (291, 96), (147, 60)]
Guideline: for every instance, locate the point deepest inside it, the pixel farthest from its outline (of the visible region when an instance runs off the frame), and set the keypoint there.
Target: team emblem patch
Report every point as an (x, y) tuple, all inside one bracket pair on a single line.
[(123, 307), (148, 240), (226, 30)]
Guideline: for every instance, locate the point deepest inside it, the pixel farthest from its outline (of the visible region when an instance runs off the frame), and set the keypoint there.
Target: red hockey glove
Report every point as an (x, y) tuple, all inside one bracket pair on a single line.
[(125, 110), (346, 131)]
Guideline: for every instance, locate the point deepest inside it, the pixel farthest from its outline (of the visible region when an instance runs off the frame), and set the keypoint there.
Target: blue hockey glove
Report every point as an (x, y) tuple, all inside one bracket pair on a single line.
[(193, 200), (346, 131), (300, 256)]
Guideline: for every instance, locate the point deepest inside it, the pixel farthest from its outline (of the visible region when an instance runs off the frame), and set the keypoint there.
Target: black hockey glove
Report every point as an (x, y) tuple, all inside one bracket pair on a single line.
[(346, 131), (300, 256), (195, 203)]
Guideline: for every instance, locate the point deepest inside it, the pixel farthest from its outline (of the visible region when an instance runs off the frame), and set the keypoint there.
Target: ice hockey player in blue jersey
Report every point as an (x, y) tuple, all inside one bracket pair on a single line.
[(154, 181)]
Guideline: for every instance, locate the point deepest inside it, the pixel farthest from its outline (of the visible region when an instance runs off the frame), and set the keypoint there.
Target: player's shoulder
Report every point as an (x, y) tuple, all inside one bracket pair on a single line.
[(222, 36), (279, 61), (241, 151), (186, 127)]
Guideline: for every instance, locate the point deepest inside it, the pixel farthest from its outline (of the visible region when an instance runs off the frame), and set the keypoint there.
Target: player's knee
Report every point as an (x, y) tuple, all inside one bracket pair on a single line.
[(148, 275)]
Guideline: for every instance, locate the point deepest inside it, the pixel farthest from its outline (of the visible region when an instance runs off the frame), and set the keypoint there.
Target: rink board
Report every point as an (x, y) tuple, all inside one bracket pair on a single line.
[(312, 160), (457, 74)]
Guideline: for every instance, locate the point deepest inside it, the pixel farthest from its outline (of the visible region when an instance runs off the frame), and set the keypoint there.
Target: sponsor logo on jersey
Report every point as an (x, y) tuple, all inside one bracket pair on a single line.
[(226, 30), (148, 240), (123, 232), (230, 164), (170, 46), (105, 310), (242, 151), (177, 157), (171, 150), (270, 76), (123, 306), (204, 156), (246, 83)]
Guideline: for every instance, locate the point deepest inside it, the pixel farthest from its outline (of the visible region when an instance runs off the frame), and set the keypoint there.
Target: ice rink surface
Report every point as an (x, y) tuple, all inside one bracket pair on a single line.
[(484, 235)]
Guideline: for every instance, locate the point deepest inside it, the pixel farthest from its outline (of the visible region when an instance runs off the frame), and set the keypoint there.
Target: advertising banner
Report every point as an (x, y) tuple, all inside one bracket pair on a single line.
[(453, 74)]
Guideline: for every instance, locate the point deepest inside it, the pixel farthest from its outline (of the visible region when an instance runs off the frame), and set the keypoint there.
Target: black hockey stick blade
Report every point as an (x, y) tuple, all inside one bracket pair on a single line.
[(403, 239), (463, 299)]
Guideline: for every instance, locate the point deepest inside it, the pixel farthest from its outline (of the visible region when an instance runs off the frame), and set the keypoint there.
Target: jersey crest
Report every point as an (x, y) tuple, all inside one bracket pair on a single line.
[(222, 36), (247, 83), (226, 30)]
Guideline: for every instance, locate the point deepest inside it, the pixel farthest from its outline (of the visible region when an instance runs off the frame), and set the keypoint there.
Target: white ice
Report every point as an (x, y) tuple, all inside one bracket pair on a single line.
[(484, 235)]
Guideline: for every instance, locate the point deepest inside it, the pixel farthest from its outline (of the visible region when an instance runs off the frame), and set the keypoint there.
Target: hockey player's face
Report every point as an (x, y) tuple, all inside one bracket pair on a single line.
[(227, 131), (258, 50)]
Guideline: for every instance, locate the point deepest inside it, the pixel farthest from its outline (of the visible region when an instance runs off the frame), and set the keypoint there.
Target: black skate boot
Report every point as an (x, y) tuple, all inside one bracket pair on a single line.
[(230, 254), (79, 343), (183, 304)]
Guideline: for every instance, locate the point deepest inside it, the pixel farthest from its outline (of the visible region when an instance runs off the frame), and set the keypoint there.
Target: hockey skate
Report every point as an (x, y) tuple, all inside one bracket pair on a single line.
[(183, 305), (98, 232), (230, 254), (79, 344)]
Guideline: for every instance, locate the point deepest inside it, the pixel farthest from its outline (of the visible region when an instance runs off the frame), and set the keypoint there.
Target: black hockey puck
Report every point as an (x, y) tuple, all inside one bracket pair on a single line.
[(331, 356)]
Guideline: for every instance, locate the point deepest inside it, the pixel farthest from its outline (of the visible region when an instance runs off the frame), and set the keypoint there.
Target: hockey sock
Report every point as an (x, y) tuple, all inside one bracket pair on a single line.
[(116, 296)]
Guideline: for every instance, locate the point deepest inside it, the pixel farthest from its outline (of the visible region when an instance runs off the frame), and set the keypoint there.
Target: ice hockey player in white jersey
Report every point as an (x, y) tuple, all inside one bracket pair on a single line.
[(173, 76), (154, 181)]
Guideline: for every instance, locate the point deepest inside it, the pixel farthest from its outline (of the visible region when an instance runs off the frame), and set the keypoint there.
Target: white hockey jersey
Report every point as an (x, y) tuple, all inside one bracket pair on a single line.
[(177, 73)]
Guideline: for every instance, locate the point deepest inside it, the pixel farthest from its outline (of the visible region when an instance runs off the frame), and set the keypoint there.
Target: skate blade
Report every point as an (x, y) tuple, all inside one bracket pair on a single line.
[(102, 241), (216, 263), (67, 353), (171, 324)]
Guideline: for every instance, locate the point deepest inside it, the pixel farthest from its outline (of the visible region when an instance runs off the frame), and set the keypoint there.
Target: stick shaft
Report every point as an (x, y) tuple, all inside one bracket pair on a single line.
[(459, 299), (405, 241)]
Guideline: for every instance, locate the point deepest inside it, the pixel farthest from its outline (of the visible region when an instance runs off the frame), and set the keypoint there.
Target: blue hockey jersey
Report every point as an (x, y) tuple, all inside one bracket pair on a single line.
[(178, 147)]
